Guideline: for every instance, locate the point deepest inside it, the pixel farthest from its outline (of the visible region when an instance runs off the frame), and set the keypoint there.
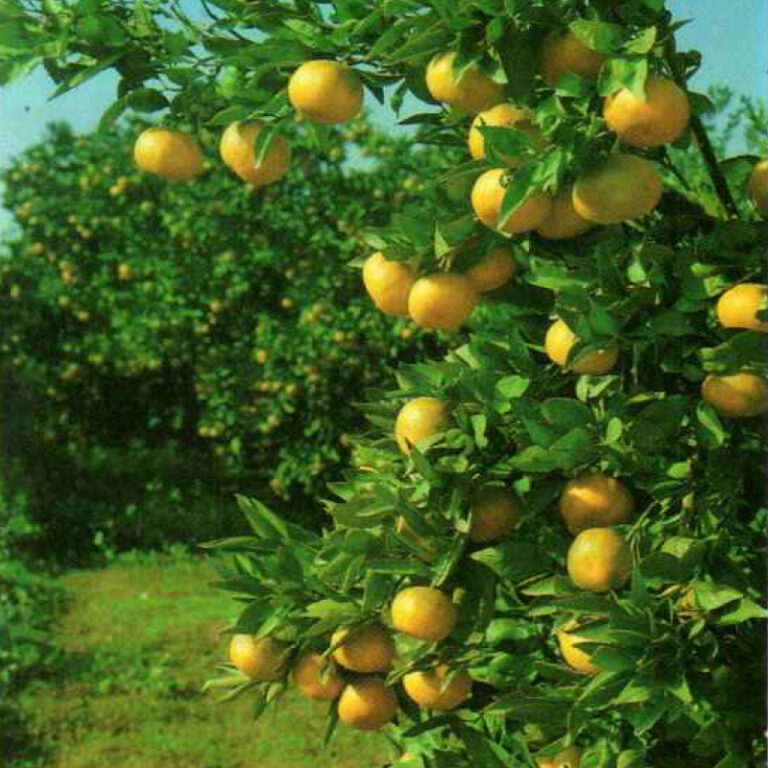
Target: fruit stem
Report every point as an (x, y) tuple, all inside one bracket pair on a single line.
[(702, 138)]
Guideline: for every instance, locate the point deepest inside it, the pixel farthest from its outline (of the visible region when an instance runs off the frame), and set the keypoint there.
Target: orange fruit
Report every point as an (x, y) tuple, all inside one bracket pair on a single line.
[(757, 186), (314, 680), (170, 154), (495, 514), (429, 690), (325, 92), (573, 656), (388, 283), (595, 501), (561, 52), (599, 559), (568, 758), (442, 301), (368, 648), (558, 343), (472, 91), (660, 118), (738, 306), (236, 150), (488, 195), (622, 188), (424, 612), (563, 222), (418, 419), (738, 396), (502, 115), (367, 704), (260, 658), (495, 270)]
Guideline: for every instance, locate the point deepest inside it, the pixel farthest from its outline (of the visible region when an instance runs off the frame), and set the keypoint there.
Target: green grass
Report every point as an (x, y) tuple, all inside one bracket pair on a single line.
[(137, 643)]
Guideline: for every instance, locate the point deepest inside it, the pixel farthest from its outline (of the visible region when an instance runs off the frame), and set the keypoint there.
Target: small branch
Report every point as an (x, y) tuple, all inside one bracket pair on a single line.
[(702, 139)]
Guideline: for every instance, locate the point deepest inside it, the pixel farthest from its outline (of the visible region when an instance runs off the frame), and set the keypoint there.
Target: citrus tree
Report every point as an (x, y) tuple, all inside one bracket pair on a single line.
[(550, 548)]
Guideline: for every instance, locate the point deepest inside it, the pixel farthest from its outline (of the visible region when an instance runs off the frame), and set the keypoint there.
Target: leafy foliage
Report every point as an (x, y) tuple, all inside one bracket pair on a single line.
[(680, 647), (164, 341)]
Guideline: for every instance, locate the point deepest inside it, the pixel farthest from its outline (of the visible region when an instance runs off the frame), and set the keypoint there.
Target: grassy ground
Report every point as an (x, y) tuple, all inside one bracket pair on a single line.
[(137, 643)]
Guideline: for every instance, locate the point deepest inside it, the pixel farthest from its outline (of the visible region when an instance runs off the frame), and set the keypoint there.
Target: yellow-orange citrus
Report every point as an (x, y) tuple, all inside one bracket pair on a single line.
[(595, 501), (368, 648), (558, 343), (367, 704), (562, 52), (442, 301), (568, 758), (170, 154), (388, 283), (495, 514), (738, 306), (738, 396), (660, 118), (472, 91), (599, 559), (622, 188), (575, 657), (495, 270), (260, 658), (325, 92), (488, 195), (757, 186), (424, 612), (418, 419), (501, 116), (563, 222), (429, 690), (316, 678), (236, 150)]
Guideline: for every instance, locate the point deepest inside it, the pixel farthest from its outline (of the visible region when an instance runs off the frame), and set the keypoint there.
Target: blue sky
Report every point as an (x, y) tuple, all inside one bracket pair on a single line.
[(732, 34)]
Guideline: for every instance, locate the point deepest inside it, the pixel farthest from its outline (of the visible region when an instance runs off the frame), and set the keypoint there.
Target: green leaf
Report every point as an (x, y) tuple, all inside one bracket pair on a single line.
[(512, 387), (565, 413), (332, 610), (573, 449), (512, 561), (618, 73), (534, 459), (265, 523), (362, 512), (147, 100), (598, 35)]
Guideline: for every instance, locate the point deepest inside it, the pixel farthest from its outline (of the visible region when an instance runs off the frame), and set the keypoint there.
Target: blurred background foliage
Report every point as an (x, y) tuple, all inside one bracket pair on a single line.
[(166, 345)]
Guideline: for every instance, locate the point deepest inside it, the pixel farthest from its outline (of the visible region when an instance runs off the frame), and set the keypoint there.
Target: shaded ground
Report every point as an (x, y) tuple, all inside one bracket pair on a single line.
[(137, 643)]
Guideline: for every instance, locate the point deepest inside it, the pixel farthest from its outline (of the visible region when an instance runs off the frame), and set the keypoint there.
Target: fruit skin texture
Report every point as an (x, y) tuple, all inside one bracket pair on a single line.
[(757, 186), (563, 222), (325, 92), (308, 678), (473, 92), (424, 612), (388, 283), (488, 195), (625, 187), (496, 269), (599, 559), (260, 658), (573, 656), (424, 687), (502, 115), (558, 343), (367, 648), (739, 396), (737, 307), (442, 302), (419, 418), (660, 119), (563, 52), (170, 154), (367, 704), (595, 501), (495, 514), (567, 758), (236, 150)]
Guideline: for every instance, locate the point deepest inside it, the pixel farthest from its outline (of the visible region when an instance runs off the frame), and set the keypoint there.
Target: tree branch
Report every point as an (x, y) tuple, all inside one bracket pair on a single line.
[(702, 138)]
